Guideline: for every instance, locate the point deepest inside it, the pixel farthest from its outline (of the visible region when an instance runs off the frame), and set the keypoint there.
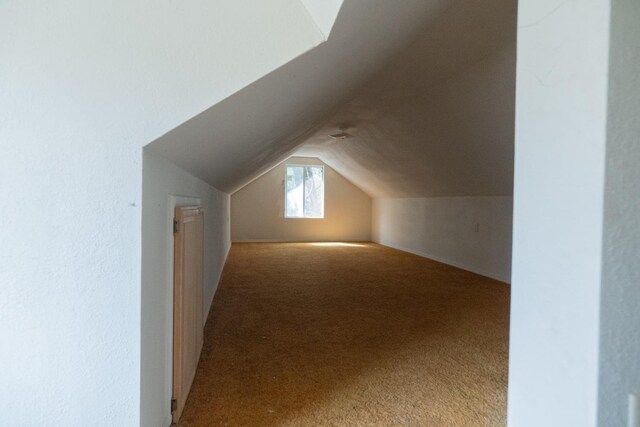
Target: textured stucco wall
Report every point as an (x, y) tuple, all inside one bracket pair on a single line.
[(257, 210), (473, 233), (620, 296), (84, 86), (164, 187)]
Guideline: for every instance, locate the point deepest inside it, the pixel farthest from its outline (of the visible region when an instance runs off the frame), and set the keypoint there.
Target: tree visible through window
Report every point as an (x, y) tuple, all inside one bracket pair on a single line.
[(304, 192)]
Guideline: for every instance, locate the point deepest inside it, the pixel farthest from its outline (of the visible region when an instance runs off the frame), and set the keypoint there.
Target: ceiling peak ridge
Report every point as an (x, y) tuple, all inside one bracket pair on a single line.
[(323, 13)]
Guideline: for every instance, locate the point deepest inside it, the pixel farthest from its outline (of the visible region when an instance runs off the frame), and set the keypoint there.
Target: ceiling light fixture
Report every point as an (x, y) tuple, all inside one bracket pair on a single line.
[(341, 135)]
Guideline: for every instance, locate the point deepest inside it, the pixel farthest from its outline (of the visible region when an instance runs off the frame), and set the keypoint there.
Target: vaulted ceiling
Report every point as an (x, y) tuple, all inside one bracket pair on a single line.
[(425, 89)]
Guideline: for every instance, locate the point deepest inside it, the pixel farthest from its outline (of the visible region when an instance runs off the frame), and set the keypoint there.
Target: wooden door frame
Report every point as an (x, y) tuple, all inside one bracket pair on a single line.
[(188, 346), (174, 201)]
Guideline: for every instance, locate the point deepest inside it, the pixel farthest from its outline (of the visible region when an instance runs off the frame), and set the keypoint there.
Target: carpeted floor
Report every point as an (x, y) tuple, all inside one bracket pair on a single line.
[(363, 335)]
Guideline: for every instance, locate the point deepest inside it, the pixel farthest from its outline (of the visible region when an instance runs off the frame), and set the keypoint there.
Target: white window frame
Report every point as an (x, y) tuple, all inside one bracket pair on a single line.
[(286, 167)]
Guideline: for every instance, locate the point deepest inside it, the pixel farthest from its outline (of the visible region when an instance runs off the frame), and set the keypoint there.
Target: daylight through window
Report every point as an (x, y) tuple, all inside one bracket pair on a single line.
[(304, 192)]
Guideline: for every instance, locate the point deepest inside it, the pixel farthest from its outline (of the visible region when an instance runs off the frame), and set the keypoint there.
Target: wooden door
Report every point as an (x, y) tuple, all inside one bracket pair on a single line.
[(187, 301)]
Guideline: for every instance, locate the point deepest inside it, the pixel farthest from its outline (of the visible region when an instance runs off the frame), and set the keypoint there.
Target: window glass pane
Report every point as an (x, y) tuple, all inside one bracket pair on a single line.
[(294, 192), (313, 192)]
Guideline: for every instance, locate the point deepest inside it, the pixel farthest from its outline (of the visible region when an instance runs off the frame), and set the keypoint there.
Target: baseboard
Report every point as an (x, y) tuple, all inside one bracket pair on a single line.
[(210, 303), (452, 263)]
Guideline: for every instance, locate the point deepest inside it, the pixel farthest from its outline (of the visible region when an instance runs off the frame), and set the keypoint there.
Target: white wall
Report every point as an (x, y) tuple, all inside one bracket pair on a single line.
[(473, 233), (558, 201), (84, 85), (164, 187), (620, 295), (257, 210)]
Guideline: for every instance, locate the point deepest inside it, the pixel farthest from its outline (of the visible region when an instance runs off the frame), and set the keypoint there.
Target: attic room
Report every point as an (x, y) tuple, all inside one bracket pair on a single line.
[(410, 134), (320, 212)]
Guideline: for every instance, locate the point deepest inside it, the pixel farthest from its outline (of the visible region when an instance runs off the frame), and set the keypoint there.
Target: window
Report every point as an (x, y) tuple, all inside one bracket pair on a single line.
[(304, 192)]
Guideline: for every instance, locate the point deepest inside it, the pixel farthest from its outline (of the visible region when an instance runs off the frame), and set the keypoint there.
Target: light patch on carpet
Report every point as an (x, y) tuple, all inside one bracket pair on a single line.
[(338, 244), (307, 335)]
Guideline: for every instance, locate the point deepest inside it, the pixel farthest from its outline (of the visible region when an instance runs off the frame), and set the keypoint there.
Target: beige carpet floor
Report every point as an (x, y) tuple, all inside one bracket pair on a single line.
[(362, 335)]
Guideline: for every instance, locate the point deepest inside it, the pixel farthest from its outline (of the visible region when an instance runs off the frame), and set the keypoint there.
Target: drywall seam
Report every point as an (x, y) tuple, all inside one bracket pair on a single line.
[(325, 37), (324, 25), (456, 264)]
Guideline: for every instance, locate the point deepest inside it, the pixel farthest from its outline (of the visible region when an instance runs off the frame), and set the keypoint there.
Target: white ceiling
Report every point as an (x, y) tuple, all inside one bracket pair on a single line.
[(426, 87)]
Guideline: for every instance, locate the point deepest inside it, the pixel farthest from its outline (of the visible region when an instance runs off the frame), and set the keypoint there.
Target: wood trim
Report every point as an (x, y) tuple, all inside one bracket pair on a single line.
[(187, 302)]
